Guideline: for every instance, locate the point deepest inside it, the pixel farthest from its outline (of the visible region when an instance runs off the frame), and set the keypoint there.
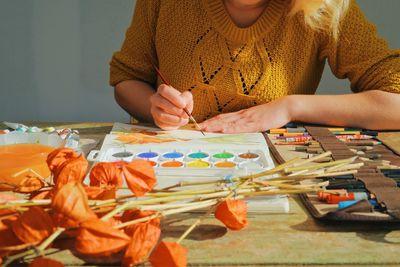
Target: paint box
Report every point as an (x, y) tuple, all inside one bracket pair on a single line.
[(185, 155)]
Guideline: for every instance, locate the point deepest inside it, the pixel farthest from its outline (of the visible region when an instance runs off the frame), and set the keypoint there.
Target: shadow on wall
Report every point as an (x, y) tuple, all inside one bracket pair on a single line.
[(17, 90), (55, 67)]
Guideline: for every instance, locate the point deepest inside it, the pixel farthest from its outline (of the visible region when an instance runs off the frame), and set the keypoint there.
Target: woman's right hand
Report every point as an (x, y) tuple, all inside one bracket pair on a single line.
[(167, 106)]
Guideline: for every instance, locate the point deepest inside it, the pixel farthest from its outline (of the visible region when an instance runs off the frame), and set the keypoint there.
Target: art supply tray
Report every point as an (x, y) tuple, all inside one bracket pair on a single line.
[(375, 190)]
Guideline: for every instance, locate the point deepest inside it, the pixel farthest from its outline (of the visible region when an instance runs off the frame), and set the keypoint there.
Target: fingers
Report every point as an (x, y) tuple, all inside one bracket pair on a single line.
[(172, 95), (222, 123), (160, 102), (188, 99), (167, 107)]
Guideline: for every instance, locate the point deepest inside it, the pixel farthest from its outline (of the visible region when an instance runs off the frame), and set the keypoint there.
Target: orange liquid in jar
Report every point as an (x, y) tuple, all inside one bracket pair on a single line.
[(18, 157)]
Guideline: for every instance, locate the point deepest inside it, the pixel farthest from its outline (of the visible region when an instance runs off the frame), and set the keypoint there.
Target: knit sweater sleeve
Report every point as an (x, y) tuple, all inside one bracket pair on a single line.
[(131, 62), (360, 55)]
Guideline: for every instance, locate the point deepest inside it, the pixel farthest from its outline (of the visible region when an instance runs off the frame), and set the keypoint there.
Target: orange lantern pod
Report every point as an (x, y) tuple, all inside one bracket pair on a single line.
[(45, 262), (130, 215), (29, 184), (74, 169), (71, 201), (106, 174), (70, 225), (100, 193), (33, 226), (8, 240), (99, 238), (6, 223), (169, 254), (140, 176), (232, 213), (59, 156), (143, 241)]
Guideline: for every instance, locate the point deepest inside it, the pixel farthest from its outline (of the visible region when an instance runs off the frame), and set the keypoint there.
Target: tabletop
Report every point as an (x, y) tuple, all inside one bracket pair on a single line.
[(282, 239)]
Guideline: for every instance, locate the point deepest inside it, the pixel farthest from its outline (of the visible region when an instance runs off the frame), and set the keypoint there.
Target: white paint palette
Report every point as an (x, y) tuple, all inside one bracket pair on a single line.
[(186, 154)]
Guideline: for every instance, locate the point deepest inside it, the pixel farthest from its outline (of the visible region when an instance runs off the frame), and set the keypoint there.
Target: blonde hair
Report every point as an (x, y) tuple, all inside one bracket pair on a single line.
[(322, 15)]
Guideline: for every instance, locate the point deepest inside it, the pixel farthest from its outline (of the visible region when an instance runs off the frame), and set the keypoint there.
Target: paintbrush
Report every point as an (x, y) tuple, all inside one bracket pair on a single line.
[(167, 83)]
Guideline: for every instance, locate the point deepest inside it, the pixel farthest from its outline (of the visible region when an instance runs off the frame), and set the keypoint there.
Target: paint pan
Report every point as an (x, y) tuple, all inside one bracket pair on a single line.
[(123, 155), (149, 155), (173, 155), (201, 164), (224, 156), (172, 164), (249, 156), (225, 164), (198, 155)]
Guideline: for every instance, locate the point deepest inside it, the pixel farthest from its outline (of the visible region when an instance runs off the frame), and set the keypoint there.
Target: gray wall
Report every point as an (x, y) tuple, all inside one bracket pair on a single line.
[(54, 56)]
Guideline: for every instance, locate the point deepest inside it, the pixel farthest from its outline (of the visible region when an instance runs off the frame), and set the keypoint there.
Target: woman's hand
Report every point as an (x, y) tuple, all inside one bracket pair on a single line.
[(255, 119), (167, 106)]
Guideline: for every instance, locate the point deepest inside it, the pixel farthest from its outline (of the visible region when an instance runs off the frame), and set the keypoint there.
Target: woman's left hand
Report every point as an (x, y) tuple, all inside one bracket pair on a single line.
[(259, 118)]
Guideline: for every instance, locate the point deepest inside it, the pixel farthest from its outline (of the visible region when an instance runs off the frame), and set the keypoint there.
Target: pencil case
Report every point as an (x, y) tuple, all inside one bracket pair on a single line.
[(373, 194)]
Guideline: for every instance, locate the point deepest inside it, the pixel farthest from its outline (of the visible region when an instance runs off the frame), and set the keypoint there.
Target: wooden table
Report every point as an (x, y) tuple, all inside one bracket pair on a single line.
[(292, 239)]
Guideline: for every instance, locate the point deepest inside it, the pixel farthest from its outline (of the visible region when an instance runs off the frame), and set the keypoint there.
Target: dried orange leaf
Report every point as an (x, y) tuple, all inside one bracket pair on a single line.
[(33, 225), (29, 184), (45, 262), (72, 202), (169, 254), (72, 170), (232, 213), (99, 238), (59, 156), (8, 239), (8, 220), (100, 193), (144, 239), (106, 174), (140, 176), (130, 215)]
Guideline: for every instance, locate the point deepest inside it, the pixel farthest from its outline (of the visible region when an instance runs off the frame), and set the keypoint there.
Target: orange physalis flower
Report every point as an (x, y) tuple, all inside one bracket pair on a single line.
[(8, 240), (100, 193), (232, 213), (71, 201), (99, 238), (59, 156), (45, 262), (130, 215), (169, 254), (140, 176), (8, 220), (107, 174), (29, 184), (71, 170), (144, 238), (33, 225)]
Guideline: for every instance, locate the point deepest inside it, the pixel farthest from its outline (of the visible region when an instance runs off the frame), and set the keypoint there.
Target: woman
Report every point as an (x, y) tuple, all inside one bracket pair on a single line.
[(252, 65)]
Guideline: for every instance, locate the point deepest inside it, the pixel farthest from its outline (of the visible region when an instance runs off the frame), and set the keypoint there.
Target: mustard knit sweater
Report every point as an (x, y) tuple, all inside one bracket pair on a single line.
[(200, 49)]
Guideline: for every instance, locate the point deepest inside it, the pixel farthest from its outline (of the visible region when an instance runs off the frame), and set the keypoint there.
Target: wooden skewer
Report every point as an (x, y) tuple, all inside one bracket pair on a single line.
[(167, 83)]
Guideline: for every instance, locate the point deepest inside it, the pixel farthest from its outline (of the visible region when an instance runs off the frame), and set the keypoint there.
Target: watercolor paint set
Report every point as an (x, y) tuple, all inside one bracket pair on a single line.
[(186, 154), (191, 158)]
